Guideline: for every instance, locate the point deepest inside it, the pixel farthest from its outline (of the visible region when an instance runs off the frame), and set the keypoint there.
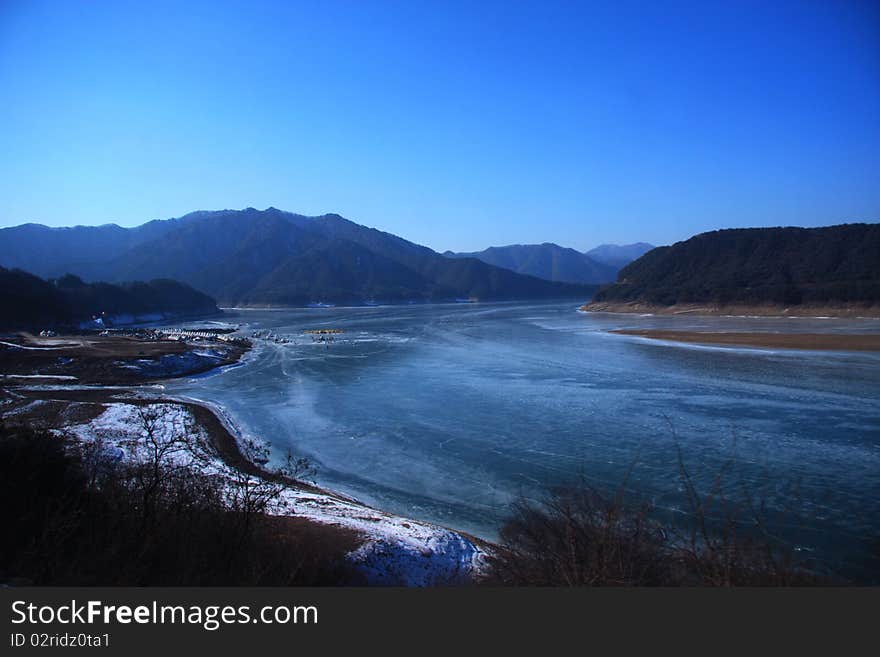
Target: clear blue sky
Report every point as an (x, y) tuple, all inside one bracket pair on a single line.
[(456, 125)]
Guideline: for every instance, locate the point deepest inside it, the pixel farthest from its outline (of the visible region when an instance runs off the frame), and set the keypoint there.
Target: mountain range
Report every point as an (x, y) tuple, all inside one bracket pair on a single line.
[(556, 263), (829, 266), (269, 257)]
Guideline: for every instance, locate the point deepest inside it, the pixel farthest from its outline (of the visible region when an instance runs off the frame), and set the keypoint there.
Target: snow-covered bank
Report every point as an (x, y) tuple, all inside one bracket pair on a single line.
[(394, 551)]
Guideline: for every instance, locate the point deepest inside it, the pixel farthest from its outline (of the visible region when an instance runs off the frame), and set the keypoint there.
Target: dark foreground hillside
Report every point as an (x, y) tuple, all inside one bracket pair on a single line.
[(77, 517), (835, 266), (29, 302)]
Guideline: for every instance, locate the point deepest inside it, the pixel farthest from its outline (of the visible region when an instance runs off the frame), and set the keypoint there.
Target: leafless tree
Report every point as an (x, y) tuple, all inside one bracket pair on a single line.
[(253, 493)]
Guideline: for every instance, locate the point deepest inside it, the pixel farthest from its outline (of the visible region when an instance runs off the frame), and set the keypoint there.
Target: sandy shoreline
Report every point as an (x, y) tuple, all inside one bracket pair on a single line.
[(842, 311), (810, 341)]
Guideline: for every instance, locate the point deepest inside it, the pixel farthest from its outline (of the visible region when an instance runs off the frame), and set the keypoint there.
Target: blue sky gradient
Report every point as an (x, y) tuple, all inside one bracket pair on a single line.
[(454, 124)]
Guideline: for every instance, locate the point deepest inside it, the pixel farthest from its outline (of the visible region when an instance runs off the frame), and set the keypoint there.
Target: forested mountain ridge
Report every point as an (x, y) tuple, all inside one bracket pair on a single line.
[(784, 267), (269, 257), (29, 302)]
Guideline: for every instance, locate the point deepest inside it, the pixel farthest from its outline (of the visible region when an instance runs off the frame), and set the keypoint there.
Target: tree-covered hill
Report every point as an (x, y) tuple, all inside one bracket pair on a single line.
[(834, 265), (29, 302)]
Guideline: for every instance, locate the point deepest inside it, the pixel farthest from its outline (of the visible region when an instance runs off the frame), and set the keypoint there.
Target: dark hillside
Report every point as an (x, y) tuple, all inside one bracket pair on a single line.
[(29, 302), (757, 266)]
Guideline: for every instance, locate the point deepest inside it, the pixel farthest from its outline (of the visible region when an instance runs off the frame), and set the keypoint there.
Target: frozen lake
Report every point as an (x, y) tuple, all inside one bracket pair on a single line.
[(450, 412)]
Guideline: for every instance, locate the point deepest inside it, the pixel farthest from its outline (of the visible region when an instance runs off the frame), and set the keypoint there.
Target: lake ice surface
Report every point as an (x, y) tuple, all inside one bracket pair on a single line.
[(450, 412)]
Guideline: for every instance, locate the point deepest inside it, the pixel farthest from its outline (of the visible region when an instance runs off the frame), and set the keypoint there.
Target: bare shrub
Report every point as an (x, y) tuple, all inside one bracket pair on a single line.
[(579, 536), (79, 517)]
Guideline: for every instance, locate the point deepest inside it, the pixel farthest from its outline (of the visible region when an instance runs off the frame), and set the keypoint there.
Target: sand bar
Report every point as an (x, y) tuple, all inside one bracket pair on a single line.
[(813, 341)]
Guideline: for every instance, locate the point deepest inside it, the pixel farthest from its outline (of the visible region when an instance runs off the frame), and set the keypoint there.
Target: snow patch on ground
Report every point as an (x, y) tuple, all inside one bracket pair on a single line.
[(27, 348), (56, 377), (171, 365), (27, 408), (127, 428), (395, 551)]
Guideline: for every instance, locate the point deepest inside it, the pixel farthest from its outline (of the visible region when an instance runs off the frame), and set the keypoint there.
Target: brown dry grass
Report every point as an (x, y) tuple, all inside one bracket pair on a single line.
[(95, 359), (815, 341)]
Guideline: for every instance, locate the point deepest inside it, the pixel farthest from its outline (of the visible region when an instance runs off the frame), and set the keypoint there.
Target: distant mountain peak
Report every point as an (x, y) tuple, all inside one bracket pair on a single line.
[(270, 256), (548, 261), (619, 255)]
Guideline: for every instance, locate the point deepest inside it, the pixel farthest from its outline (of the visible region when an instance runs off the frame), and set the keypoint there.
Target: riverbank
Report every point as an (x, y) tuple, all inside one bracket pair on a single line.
[(116, 358), (843, 311), (389, 549), (811, 341)]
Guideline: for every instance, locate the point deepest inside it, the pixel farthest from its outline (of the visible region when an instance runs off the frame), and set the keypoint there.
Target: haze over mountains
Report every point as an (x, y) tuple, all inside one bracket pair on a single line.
[(556, 263), (269, 257), (619, 255)]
